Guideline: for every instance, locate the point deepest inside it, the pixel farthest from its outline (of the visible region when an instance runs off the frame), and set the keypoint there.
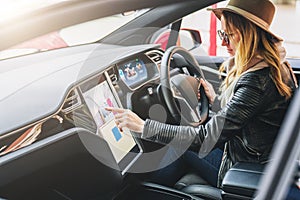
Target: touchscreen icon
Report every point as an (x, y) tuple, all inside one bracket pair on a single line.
[(117, 134), (121, 73)]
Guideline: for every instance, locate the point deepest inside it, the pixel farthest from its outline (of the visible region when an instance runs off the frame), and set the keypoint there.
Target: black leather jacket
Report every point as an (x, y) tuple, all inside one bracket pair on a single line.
[(248, 124)]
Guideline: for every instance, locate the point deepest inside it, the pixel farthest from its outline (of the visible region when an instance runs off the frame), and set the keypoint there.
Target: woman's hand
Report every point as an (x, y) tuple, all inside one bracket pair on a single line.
[(127, 119), (209, 90)]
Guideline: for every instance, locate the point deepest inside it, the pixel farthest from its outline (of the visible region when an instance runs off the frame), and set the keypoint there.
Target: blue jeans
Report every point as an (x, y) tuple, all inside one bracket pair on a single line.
[(207, 167), (169, 174), (293, 193)]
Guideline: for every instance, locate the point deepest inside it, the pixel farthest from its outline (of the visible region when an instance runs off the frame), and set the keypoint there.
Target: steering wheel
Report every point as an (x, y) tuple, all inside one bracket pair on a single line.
[(184, 88)]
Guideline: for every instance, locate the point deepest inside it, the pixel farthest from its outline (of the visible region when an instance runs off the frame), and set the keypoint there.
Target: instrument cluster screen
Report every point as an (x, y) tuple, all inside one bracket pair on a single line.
[(133, 72)]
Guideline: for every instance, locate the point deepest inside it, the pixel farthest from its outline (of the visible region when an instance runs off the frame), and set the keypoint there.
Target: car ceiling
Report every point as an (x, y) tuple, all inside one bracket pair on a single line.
[(49, 19)]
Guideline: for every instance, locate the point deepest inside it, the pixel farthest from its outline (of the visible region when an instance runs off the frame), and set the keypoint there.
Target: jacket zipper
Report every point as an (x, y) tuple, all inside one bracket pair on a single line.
[(249, 149)]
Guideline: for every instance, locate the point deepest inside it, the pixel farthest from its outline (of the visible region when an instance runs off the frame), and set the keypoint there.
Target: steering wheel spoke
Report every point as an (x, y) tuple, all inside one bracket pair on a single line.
[(185, 88), (191, 114)]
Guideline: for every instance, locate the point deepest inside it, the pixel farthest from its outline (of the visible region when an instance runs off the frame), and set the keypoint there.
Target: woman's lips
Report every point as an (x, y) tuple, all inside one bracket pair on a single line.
[(230, 51)]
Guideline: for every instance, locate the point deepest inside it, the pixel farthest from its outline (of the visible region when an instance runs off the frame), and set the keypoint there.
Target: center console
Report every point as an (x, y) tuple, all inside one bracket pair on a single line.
[(241, 181)]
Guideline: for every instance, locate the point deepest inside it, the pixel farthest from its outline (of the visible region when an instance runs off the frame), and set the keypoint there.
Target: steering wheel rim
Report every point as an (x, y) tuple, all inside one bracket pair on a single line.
[(166, 86)]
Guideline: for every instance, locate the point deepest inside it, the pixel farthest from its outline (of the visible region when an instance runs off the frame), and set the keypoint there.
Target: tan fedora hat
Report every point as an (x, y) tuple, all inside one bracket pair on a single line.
[(260, 12)]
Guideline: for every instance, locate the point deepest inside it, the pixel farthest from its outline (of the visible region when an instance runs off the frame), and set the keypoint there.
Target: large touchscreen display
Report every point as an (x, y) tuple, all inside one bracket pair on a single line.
[(133, 72), (97, 98)]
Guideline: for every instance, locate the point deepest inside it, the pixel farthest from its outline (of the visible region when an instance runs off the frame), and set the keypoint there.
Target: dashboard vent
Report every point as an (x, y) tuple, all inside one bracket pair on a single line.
[(71, 102), (155, 56)]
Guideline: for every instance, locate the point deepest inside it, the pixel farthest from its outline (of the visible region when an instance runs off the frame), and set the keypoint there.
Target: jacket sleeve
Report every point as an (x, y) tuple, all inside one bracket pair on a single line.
[(245, 103), (216, 106)]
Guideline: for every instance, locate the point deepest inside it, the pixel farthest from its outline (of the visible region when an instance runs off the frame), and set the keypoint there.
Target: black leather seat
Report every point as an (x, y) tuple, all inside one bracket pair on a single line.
[(193, 184), (204, 191), (189, 179), (240, 182)]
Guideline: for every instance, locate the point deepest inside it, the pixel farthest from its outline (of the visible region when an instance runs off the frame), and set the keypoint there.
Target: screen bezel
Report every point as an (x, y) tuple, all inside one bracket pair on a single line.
[(135, 152)]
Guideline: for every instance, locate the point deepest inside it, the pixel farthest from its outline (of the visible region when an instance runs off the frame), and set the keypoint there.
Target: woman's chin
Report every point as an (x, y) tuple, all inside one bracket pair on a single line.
[(230, 52)]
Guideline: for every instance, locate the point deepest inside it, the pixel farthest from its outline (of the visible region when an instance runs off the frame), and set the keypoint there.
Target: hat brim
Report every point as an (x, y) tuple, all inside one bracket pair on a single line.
[(218, 13)]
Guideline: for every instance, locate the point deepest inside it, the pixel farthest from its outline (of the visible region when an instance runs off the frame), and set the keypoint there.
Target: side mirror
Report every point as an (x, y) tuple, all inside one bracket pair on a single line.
[(189, 38)]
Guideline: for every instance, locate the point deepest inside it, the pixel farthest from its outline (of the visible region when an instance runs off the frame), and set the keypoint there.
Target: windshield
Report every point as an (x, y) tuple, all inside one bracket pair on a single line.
[(83, 33), (12, 8)]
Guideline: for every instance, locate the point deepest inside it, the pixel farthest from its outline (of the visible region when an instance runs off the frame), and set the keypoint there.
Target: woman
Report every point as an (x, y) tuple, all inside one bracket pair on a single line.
[(254, 96)]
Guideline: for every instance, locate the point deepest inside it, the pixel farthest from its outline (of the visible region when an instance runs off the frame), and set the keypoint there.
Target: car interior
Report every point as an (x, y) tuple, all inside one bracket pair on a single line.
[(57, 141)]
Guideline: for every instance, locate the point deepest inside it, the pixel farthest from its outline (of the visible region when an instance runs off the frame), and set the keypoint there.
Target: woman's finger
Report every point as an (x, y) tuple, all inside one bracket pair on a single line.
[(204, 84), (209, 90), (125, 118), (114, 109)]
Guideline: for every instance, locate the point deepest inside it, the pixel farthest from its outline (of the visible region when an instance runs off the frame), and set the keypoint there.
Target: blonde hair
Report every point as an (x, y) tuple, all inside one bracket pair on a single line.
[(253, 42)]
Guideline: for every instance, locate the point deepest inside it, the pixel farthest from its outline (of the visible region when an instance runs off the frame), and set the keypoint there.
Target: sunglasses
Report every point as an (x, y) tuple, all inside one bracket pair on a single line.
[(224, 36)]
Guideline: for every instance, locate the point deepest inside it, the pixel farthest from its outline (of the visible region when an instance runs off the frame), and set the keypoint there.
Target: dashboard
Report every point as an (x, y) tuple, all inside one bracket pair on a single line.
[(41, 88), (68, 97)]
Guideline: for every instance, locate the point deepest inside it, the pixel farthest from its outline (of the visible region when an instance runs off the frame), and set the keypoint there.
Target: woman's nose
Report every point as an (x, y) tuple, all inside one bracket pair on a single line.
[(223, 43)]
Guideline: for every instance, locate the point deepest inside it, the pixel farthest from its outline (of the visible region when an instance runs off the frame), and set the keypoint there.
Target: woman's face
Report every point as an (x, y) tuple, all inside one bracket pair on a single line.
[(233, 38)]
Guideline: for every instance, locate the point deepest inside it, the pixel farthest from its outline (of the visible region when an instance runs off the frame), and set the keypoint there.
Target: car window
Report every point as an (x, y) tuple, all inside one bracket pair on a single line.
[(198, 21), (283, 25)]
